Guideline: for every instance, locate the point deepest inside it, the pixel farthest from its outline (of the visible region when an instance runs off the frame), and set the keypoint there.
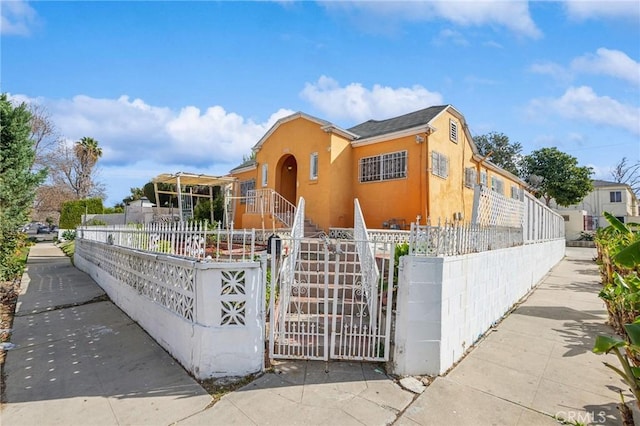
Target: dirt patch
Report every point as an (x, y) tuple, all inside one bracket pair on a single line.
[(8, 297)]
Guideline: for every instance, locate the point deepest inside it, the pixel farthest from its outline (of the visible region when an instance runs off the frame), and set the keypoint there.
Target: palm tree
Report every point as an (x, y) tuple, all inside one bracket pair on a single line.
[(87, 152)]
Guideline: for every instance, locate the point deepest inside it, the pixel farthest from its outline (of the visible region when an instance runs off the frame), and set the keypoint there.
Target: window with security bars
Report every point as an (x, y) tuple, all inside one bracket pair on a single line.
[(383, 167), (497, 185), (439, 164), (470, 177), (453, 131), (245, 187)]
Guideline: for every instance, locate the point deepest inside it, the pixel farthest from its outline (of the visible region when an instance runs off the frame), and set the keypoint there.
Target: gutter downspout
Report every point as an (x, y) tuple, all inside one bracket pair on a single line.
[(427, 205)]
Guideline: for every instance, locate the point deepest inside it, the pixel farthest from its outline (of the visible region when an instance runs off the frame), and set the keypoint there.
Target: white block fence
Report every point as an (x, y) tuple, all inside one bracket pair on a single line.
[(445, 304), (208, 315)]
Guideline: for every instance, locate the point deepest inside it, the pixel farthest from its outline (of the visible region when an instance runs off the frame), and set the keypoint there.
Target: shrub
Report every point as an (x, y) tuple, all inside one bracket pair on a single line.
[(69, 235), (72, 211)]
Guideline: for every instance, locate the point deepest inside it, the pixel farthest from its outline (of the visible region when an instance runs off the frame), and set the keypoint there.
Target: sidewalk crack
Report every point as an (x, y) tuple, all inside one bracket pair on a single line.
[(101, 298)]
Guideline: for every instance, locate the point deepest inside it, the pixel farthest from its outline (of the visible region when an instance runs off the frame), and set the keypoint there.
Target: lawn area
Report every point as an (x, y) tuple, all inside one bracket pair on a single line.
[(68, 247)]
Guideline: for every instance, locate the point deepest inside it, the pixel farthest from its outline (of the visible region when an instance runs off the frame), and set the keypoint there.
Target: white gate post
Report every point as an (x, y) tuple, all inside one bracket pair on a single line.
[(229, 318), (418, 330)]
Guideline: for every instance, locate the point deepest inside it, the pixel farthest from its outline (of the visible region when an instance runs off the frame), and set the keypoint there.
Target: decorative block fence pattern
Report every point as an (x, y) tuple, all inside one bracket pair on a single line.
[(207, 315)]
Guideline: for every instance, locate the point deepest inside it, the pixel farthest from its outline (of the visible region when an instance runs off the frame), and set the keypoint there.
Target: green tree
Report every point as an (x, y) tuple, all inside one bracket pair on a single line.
[(165, 200), (202, 211), (556, 175), (500, 151), (136, 194), (18, 182)]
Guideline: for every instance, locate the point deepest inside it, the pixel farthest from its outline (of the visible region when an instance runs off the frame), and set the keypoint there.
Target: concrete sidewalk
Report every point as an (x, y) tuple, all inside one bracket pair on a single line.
[(537, 364), (79, 360)]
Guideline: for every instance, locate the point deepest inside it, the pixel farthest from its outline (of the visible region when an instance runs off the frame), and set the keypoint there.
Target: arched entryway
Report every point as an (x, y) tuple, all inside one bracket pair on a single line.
[(287, 178)]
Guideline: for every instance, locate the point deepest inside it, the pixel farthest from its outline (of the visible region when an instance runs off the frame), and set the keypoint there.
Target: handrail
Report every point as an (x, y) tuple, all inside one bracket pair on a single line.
[(261, 201), (368, 265), (289, 263)]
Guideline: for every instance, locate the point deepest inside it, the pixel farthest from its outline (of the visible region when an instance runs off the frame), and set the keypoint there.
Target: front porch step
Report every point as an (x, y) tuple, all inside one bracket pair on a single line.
[(317, 290), (314, 305), (311, 229)]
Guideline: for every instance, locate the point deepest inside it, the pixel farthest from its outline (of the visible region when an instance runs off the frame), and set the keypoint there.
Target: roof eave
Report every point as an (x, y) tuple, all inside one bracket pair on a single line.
[(423, 128), (330, 128), (483, 160)]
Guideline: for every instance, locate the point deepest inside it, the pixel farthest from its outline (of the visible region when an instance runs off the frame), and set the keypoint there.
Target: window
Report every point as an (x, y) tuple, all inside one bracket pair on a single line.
[(566, 217), (265, 174), (383, 167), (245, 187), (439, 164), (483, 178), (313, 166), (470, 177), (394, 165), (453, 131), (515, 192), (615, 196), (497, 185)]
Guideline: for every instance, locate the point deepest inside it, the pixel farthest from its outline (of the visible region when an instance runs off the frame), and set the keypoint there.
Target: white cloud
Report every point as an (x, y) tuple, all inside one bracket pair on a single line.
[(449, 36), (16, 18), (619, 9), (613, 63), (513, 15), (554, 70), (131, 130), (609, 62), (583, 104), (140, 141), (601, 172), (357, 103)]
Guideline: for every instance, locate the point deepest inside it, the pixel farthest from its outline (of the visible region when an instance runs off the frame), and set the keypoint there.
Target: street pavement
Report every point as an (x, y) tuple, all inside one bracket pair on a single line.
[(79, 360)]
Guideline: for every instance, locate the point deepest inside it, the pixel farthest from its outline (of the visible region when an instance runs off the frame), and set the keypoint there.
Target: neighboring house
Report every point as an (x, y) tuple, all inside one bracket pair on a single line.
[(404, 169), (613, 197)]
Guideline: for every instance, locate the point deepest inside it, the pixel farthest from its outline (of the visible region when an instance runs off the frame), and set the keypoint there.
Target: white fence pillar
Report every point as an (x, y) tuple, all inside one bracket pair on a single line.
[(208, 315), (419, 314), (229, 303)]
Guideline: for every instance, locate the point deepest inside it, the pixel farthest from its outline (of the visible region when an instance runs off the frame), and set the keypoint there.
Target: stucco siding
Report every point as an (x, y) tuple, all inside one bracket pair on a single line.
[(398, 199)]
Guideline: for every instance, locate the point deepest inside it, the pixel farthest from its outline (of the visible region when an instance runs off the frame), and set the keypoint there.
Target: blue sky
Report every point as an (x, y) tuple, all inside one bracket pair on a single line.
[(192, 86)]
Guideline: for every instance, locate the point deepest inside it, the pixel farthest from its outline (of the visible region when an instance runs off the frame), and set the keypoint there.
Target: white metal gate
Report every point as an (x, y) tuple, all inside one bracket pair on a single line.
[(331, 299)]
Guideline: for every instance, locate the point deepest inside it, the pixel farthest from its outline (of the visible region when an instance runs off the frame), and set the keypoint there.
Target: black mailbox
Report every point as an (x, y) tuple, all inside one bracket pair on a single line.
[(278, 243)]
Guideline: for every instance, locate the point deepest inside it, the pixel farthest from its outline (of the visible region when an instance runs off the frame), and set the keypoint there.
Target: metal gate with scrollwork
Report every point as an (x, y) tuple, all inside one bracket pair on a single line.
[(332, 299)]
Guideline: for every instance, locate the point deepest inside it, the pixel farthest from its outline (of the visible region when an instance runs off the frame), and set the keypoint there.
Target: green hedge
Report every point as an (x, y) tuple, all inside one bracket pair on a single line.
[(72, 211)]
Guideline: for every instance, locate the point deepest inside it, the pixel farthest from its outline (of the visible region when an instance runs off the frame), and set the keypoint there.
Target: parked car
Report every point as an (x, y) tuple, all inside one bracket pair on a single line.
[(43, 229)]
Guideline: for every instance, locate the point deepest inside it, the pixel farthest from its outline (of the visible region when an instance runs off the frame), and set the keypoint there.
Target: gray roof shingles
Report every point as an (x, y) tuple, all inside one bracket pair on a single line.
[(599, 183), (413, 119)]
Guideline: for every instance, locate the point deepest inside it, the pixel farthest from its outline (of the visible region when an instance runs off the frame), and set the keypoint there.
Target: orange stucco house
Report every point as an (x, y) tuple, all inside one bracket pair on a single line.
[(416, 166)]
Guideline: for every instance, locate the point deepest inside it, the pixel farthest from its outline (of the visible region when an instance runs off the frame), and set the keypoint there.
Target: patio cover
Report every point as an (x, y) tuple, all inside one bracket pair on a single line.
[(182, 179)]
